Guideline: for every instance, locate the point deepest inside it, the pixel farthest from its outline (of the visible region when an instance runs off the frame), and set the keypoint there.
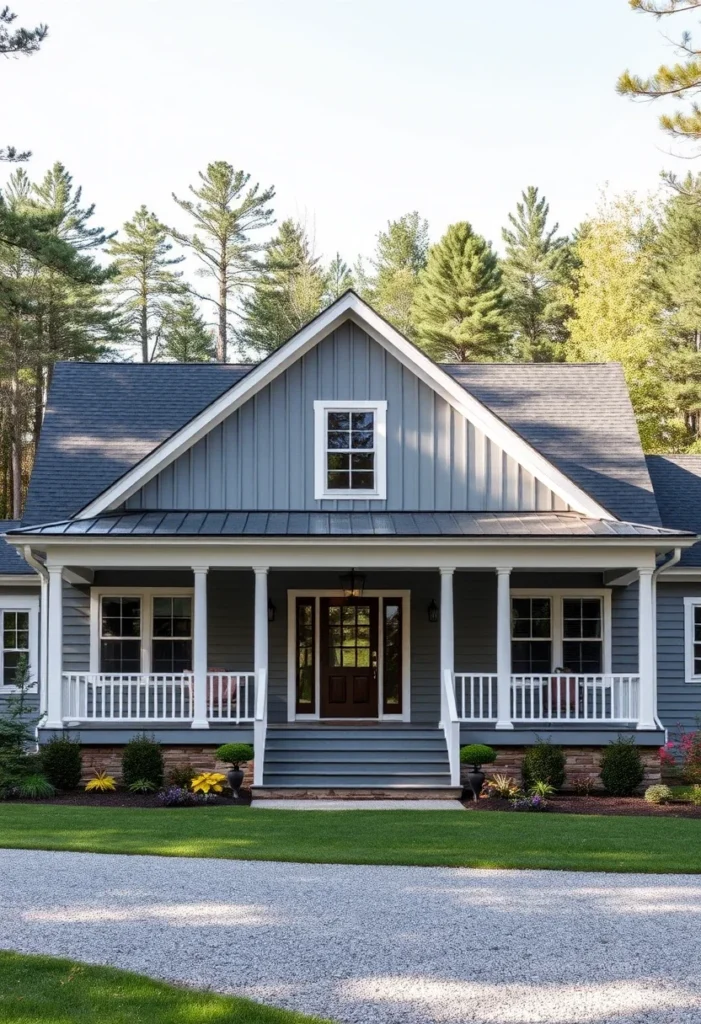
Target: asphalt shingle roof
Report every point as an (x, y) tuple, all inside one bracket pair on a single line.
[(677, 483), (348, 524), (11, 562), (103, 418)]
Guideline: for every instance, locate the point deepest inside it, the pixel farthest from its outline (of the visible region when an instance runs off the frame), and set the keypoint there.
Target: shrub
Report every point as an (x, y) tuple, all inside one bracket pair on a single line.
[(621, 767), (534, 802), (142, 759), (544, 762), (681, 756), (503, 787), (181, 775), (234, 753), (61, 762), (16, 733), (101, 783), (35, 787), (583, 785), (477, 754), (208, 782), (658, 794), (695, 795), (178, 796), (142, 786)]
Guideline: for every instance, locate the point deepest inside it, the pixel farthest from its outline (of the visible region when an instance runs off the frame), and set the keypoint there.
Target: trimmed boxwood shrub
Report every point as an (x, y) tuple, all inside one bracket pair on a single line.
[(61, 762), (142, 759), (477, 753), (621, 767), (543, 762), (234, 753)]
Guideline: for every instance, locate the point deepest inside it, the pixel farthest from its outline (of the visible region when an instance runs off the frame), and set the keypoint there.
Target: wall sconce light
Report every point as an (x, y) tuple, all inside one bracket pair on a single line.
[(433, 611), (352, 583), (271, 611)]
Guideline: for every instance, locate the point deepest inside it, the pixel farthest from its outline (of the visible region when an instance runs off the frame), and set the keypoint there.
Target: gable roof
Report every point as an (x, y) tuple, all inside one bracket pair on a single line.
[(348, 307), (11, 562), (677, 483)]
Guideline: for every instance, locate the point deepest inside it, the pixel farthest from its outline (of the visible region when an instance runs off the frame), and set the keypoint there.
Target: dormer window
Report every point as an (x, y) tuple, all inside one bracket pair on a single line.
[(350, 447)]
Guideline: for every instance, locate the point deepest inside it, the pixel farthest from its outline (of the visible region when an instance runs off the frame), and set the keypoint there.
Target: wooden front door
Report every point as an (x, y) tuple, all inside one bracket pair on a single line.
[(348, 636)]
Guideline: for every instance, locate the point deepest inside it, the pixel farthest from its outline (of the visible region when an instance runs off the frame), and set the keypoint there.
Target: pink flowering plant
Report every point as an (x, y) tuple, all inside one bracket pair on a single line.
[(681, 755)]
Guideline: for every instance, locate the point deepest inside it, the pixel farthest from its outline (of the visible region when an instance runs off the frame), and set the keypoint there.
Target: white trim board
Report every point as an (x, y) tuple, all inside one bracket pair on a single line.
[(689, 604), (317, 593), (348, 306)]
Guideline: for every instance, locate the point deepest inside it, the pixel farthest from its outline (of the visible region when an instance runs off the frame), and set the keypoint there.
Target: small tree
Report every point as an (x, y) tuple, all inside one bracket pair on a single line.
[(16, 731), (186, 337)]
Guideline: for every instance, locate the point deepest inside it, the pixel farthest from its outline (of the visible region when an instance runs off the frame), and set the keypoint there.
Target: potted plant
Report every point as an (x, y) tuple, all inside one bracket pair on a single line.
[(234, 754), (475, 755)]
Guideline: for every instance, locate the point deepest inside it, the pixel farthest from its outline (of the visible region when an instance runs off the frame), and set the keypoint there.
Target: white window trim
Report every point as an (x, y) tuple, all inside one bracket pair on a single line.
[(292, 596), (18, 603), (146, 595), (557, 595), (379, 409), (689, 604)]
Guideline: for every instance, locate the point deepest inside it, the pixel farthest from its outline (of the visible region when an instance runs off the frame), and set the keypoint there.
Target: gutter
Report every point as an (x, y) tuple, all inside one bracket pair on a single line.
[(43, 574), (663, 567)]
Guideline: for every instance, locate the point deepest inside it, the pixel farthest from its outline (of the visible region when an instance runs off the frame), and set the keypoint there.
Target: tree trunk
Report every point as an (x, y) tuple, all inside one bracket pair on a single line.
[(221, 330), (144, 333), (16, 451)]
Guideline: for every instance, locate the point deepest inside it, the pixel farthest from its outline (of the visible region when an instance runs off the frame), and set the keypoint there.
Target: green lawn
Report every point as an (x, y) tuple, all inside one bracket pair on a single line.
[(472, 839), (41, 990)]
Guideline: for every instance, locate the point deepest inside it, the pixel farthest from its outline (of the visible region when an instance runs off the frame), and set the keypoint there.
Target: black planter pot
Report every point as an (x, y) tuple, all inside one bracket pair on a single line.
[(235, 778), (475, 780)]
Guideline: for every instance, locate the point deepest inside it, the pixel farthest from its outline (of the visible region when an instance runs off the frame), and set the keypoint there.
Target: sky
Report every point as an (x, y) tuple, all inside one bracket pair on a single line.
[(357, 111)]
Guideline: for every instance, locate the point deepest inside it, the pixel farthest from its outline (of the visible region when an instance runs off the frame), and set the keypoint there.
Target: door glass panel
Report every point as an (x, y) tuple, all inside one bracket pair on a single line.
[(392, 661), (305, 656)]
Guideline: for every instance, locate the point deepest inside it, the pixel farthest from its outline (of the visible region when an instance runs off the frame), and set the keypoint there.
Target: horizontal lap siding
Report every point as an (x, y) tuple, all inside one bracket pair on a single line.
[(678, 702), (262, 455), (76, 628), (624, 613)]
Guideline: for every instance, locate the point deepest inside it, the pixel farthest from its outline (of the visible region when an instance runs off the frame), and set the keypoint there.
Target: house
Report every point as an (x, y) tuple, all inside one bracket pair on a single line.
[(20, 589), (358, 560)]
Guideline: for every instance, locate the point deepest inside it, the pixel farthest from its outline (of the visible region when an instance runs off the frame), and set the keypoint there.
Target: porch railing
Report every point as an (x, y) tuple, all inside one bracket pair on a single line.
[(551, 697), (157, 697)]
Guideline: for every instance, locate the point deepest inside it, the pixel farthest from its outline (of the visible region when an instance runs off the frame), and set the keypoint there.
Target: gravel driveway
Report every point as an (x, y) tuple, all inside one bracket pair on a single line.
[(387, 945)]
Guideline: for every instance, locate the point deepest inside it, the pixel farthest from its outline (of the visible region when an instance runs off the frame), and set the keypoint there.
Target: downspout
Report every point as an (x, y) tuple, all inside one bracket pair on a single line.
[(40, 568), (672, 561)]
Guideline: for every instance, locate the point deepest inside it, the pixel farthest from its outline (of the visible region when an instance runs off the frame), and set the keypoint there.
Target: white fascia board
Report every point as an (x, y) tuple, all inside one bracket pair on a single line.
[(349, 305), (10, 580)]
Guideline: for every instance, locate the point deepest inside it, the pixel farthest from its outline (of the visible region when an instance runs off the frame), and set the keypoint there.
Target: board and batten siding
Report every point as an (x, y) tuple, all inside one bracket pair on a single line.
[(678, 701), (262, 455)]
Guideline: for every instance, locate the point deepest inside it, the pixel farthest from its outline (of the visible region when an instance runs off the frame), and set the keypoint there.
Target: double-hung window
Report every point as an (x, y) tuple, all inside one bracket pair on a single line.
[(143, 632), (559, 631), (350, 449), (692, 639), (15, 645)]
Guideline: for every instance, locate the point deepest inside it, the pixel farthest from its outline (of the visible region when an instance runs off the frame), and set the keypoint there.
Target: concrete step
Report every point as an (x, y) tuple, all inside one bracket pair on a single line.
[(353, 781), (400, 757), (351, 745)]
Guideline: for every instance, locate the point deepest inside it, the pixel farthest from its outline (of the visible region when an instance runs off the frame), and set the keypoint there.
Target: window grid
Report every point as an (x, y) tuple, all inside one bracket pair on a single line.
[(120, 634), (696, 641), (531, 634), (582, 634), (350, 450), (171, 634), (15, 643)]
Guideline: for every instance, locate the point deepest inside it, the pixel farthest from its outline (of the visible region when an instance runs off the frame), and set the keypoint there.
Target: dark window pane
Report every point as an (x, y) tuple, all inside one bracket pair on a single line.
[(338, 481), (120, 656), (305, 655), (11, 661), (392, 658), (338, 460), (362, 439), (540, 607), (131, 607), (582, 656), (338, 439), (111, 607), (162, 607), (363, 420), (338, 421), (362, 481), (364, 460), (531, 656), (540, 628), (162, 627)]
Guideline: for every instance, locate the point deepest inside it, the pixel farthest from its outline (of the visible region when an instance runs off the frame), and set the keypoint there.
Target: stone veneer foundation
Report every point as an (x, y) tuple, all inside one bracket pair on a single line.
[(581, 763), (109, 759)]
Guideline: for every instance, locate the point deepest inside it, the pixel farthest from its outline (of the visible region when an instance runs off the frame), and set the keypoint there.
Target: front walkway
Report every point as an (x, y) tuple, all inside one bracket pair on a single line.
[(377, 945)]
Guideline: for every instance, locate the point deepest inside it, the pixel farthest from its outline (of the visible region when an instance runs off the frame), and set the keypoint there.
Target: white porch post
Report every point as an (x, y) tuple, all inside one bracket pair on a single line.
[(54, 680), (199, 650), (504, 649), (646, 650), (260, 626), (447, 634)]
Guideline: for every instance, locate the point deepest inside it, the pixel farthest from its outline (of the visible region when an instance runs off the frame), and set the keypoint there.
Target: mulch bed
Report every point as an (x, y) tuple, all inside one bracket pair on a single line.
[(566, 803), (82, 799)]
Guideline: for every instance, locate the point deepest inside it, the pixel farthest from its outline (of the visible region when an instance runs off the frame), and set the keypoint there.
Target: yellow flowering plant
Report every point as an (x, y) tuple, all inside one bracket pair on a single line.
[(102, 783), (208, 782)]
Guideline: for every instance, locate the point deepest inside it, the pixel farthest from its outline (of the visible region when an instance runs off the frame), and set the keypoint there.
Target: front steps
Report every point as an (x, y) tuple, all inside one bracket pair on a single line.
[(355, 761)]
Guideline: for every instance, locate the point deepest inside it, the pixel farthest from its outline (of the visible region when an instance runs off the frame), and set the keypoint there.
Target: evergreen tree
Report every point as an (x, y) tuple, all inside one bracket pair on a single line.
[(186, 337), (535, 269), (400, 255), (226, 211), (339, 278), (144, 280), (16, 42), (287, 295), (460, 309)]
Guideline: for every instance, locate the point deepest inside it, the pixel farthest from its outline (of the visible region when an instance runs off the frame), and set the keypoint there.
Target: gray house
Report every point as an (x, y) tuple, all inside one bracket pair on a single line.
[(20, 588), (359, 559)]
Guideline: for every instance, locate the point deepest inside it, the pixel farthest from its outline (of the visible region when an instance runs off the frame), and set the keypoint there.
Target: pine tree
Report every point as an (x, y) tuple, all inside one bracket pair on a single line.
[(339, 278), (287, 295), (144, 280), (226, 212), (536, 268), (460, 309), (400, 256), (186, 337), (16, 42)]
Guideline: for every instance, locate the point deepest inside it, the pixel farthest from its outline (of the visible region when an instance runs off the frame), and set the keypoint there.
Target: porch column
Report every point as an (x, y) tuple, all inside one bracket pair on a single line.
[(199, 650), (646, 651), (54, 681), (447, 634), (504, 649), (260, 627)]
